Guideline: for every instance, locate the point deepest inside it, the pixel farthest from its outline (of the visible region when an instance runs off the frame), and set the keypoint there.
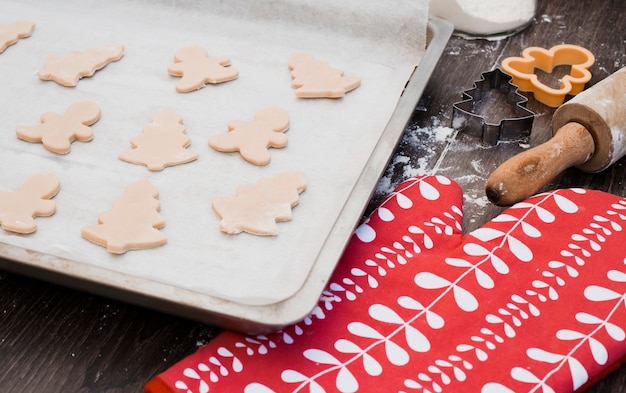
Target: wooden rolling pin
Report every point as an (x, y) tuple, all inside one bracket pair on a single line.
[(589, 132)]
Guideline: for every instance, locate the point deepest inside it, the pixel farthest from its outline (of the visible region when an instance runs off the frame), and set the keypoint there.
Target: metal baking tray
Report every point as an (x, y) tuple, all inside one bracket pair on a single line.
[(65, 267)]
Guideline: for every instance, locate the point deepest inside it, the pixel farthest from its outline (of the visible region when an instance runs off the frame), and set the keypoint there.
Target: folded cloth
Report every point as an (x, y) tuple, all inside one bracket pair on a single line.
[(532, 301)]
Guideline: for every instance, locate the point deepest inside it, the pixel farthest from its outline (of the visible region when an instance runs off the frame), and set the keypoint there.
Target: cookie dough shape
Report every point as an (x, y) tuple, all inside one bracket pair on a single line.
[(132, 224), (253, 139), (68, 70), (316, 79), (258, 207), (57, 132), (32, 199), (196, 68), (162, 143), (11, 32)]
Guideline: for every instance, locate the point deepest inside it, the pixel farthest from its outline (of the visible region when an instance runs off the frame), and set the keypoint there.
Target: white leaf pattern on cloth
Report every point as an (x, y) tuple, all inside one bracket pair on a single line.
[(565, 204), (429, 192), (403, 201), (365, 233), (487, 234), (257, 388)]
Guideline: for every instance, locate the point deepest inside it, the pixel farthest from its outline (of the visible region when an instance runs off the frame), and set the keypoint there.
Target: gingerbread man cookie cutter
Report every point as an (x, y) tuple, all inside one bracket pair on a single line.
[(522, 69), (515, 128)]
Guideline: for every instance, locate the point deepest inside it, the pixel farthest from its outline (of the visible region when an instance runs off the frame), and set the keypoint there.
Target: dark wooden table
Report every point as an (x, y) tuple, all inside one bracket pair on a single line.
[(54, 339)]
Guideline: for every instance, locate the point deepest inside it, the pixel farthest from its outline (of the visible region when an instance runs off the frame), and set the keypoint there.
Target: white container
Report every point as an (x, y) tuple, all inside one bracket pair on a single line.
[(491, 19)]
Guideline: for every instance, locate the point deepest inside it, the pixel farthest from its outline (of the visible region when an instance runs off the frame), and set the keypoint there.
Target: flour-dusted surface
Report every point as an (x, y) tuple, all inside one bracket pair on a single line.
[(330, 141)]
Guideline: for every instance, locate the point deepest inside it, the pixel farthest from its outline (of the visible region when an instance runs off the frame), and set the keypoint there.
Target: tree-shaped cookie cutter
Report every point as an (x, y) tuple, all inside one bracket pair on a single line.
[(522, 69), (514, 128)]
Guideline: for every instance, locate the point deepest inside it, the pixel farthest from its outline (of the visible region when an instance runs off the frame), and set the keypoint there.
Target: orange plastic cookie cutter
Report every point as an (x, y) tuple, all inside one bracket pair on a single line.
[(522, 69)]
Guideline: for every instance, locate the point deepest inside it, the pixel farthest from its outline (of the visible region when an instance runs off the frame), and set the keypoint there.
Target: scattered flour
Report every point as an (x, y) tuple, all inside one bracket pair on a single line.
[(481, 201), (485, 17), (425, 142), (384, 187), (442, 133), (420, 152)]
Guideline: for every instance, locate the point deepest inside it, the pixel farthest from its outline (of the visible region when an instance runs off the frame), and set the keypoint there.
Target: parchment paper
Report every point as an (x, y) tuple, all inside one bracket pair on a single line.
[(330, 140)]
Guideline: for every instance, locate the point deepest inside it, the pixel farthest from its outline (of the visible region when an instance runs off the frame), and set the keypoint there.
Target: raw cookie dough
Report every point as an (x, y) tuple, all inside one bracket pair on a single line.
[(67, 70), (11, 32), (133, 223), (316, 79), (57, 132), (253, 139), (17, 209), (196, 68), (162, 143), (257, 207)]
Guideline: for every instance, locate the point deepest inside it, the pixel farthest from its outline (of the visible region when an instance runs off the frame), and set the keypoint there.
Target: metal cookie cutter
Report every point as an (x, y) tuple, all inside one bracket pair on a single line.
[(523, 71), (508, 129)]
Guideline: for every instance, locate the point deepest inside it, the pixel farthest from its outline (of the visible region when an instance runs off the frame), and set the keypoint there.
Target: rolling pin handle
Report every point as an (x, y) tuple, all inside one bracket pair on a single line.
[(526, 173)]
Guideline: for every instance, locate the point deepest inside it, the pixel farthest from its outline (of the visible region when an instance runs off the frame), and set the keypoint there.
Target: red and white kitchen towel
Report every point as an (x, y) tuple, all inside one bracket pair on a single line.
[(533, 301)]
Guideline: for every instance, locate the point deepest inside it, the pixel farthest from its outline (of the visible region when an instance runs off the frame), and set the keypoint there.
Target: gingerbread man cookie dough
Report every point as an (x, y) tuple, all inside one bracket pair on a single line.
[(11, 32), (68, 70), (196, 69), (253, 139), (132, 224), (57, 132), (316, 79), (32, 199), (258, 207), (162, 143)]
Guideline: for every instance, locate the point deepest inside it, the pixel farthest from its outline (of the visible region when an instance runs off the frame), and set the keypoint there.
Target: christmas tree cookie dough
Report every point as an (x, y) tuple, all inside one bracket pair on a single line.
[(32, 199), (162, 143), (316, 79), (196, 69), (253, 139), (57, 132), (11, 32), (258, 207), (132, 224), (67, 70)]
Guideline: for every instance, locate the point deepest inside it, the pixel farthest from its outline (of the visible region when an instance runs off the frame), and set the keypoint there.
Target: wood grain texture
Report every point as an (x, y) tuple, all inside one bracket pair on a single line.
[(54, 339), (522, 175)]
